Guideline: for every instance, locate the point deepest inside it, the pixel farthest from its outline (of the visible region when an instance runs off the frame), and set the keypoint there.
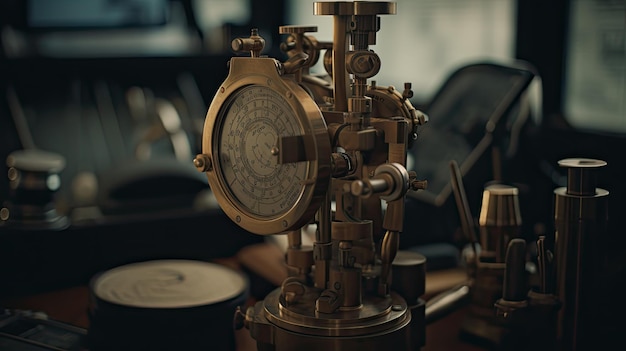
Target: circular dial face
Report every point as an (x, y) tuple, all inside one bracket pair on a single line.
[(251, 123)]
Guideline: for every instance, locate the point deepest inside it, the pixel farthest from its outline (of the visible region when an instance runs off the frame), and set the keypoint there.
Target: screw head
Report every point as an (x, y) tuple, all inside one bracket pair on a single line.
[(203, 163)]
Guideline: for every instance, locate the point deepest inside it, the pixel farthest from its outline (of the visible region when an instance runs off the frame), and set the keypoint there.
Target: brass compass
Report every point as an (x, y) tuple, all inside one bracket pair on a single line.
[(266, 149)]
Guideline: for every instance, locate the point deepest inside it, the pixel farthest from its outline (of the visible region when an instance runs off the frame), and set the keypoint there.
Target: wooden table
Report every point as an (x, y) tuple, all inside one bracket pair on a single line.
[(70, 306)]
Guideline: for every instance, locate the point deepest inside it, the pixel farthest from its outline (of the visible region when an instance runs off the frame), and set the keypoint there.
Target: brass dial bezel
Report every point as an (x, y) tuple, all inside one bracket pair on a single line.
[(263, 72)]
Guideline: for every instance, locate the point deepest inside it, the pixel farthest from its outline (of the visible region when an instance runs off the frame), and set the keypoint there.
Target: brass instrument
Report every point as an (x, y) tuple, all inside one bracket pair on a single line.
[(500, 224), (564, 310), (281, 147)]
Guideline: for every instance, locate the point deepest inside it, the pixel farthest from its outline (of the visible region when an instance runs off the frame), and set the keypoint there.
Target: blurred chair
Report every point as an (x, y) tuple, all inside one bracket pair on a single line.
[(478, 117)]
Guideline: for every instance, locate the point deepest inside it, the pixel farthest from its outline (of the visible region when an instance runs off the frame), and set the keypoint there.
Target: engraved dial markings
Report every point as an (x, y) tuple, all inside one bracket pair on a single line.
[(253, 120)]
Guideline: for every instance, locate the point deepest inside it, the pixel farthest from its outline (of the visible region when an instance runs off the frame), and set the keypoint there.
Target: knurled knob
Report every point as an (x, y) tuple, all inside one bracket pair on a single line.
[(294, 29), (358, 8)]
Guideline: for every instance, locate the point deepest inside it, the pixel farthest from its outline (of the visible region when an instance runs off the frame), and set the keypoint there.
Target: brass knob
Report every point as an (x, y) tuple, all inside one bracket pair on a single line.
[(203, 163), (255, 44)]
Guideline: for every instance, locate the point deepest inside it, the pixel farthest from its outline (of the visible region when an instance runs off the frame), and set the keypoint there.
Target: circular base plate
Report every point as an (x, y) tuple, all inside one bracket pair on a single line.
[(375, 315)]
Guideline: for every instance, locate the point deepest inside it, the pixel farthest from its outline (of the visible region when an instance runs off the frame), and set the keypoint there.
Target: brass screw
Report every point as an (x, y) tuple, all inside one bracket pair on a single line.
[(203, 163)]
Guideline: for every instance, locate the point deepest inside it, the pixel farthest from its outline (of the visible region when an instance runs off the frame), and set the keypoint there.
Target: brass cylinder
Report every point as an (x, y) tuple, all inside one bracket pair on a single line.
[(500, 221), (409, 275), (581, 219)]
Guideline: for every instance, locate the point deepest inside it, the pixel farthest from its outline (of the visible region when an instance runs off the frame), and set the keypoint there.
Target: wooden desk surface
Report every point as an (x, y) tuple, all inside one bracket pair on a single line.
[(70, 306)]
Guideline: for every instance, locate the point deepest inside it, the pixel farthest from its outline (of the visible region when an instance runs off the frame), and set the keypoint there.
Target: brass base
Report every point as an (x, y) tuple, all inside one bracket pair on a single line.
[(379, 323)]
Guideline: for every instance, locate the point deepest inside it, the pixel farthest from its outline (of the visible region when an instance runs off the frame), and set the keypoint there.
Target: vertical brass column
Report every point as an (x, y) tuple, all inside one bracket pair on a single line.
[(581, 217)]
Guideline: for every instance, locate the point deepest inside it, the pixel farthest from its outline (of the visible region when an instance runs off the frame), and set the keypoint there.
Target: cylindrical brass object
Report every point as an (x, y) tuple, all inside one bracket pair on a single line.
[(581, 218), (409, 275), (383, 324), (500, 221)]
